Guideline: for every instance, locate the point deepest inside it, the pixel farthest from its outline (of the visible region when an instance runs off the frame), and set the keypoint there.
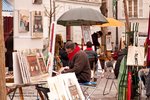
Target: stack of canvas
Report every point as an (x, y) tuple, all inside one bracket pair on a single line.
[(64, 87), (31, 66)]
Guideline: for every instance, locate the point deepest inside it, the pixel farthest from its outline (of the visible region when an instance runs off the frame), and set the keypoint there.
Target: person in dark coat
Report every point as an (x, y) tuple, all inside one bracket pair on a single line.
[(78, 63), (121, 54), (92, 55), (9, 51), (63, 56), (95, 37)]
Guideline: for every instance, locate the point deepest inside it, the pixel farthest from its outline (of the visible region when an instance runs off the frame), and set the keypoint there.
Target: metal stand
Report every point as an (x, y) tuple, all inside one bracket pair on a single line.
[(112, 83)]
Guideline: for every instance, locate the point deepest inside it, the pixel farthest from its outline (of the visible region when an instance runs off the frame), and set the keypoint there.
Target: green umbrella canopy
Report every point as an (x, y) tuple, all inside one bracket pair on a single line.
[(81, 16)]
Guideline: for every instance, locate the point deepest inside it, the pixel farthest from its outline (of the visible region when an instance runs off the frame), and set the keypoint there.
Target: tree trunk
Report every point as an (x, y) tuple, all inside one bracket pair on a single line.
[(128, 29), (126, 16), (2, 60), (104, 11)]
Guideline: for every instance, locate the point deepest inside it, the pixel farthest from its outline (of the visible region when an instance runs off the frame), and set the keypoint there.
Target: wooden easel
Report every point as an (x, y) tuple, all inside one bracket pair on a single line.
[(14, 88)]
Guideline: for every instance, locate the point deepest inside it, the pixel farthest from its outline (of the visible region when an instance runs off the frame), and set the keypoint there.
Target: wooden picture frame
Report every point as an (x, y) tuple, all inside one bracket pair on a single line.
[(42, 64), (34, 68), (37, 24), (37, 2)]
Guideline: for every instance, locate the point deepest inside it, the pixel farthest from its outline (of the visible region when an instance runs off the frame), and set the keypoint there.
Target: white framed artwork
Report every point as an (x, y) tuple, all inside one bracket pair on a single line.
[(108, 42), (65, 87), (135, 56), (86, 34), (24, 16), (37, 24)]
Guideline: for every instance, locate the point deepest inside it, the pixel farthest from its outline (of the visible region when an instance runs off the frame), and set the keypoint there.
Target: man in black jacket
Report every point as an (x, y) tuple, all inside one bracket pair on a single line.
[(95, 37)]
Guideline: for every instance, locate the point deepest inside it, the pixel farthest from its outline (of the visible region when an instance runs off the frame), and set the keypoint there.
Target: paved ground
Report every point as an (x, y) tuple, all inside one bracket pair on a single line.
[(31, 94), (98, 94)]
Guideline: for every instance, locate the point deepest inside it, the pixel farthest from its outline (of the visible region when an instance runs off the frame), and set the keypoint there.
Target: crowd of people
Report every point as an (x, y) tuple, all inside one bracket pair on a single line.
[(84, 62), (81, 62)]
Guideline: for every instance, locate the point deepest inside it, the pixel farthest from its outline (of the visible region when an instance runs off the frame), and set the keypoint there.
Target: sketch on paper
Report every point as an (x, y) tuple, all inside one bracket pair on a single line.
[(108, 42), (37, 24), (135, 56), (23, 21)]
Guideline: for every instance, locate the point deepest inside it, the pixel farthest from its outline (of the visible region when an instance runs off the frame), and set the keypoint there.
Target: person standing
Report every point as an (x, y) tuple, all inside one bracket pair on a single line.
[(95, 38), (9, 51), (78, 63)]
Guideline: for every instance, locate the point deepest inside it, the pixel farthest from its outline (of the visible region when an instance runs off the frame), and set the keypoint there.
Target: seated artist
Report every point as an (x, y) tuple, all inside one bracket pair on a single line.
[(92, 56), (78, 63)]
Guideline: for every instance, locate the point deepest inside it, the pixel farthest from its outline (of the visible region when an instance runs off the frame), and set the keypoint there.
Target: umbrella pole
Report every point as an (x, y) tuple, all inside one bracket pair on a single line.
[(82, 39), (116, 7)]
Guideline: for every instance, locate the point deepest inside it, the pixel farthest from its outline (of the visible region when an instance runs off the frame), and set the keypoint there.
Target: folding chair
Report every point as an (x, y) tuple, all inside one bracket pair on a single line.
[(142, 73), (88, 88), (110, 77)]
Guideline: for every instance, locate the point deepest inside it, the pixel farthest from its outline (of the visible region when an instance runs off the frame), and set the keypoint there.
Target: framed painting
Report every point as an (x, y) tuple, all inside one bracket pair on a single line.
[(108, 42), (24, 16), (65, 87), (34, 68), (37, 24), (37, 1), (72, 86), (42, 64), (86, 34), (58, 89), (135, 56)]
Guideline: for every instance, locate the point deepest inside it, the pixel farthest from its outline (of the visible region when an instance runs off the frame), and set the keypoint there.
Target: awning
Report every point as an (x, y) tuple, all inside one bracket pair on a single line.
[(7, 8), (113, 22)]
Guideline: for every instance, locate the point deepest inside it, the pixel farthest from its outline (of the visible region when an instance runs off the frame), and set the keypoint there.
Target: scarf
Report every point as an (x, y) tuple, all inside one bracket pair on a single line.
[(88, 49), (71, 55)]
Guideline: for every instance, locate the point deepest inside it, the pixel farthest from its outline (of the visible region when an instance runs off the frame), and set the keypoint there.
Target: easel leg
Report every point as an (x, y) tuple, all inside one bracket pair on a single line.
[(21, 93), (41, 96)]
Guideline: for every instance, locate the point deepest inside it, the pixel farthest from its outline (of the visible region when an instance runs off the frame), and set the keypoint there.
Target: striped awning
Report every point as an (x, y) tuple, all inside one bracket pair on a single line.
[(7, 8)]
